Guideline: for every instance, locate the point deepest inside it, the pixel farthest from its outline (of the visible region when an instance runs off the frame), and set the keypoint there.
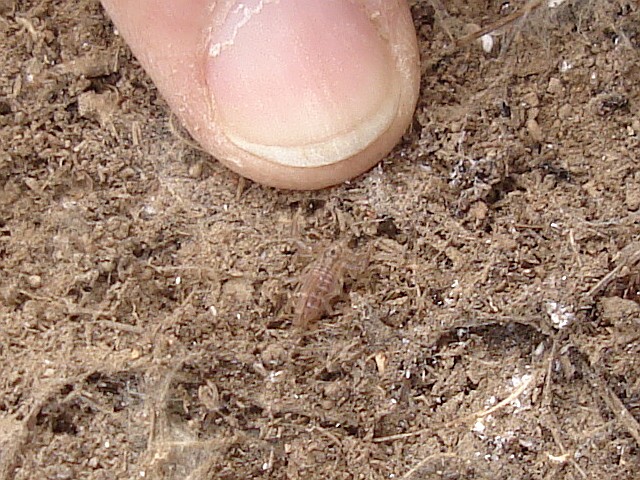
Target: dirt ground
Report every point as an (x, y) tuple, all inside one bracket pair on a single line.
[(146, 291)]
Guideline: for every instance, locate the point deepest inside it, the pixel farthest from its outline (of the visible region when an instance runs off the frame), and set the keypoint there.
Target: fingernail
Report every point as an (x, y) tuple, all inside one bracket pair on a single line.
[(302, 83)]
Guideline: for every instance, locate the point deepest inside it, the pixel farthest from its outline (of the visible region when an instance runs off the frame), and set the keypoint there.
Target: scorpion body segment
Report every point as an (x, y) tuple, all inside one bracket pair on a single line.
[(322, 285)]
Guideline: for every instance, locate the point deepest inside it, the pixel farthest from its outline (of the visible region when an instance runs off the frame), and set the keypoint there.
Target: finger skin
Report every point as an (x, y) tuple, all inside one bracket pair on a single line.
[(171, 44)]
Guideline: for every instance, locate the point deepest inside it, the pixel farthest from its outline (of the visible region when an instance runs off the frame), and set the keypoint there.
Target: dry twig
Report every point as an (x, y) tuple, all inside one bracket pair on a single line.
[(618, 408), (426, 460), (471, 417)]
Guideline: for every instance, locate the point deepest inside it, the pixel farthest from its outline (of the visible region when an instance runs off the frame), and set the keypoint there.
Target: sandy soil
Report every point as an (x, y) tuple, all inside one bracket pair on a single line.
[(146, 292)]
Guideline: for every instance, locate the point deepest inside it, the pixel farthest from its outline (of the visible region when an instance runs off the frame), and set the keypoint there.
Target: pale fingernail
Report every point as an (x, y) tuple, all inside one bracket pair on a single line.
[(302, 83)]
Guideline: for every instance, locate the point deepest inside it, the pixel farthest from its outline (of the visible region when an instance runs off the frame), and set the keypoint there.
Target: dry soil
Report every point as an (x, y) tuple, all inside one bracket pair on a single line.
[(146, 292)]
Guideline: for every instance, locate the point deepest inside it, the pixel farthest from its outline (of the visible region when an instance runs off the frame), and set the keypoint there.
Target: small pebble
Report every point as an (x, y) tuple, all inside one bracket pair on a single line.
[(632, 197), (564, 112), (531, 99), (534, 130), (195, 170), (32, 183), (273, 355), (555, 86)]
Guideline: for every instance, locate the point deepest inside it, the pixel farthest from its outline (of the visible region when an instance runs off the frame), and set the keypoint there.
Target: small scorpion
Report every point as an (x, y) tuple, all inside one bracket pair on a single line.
[(323, 283)]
